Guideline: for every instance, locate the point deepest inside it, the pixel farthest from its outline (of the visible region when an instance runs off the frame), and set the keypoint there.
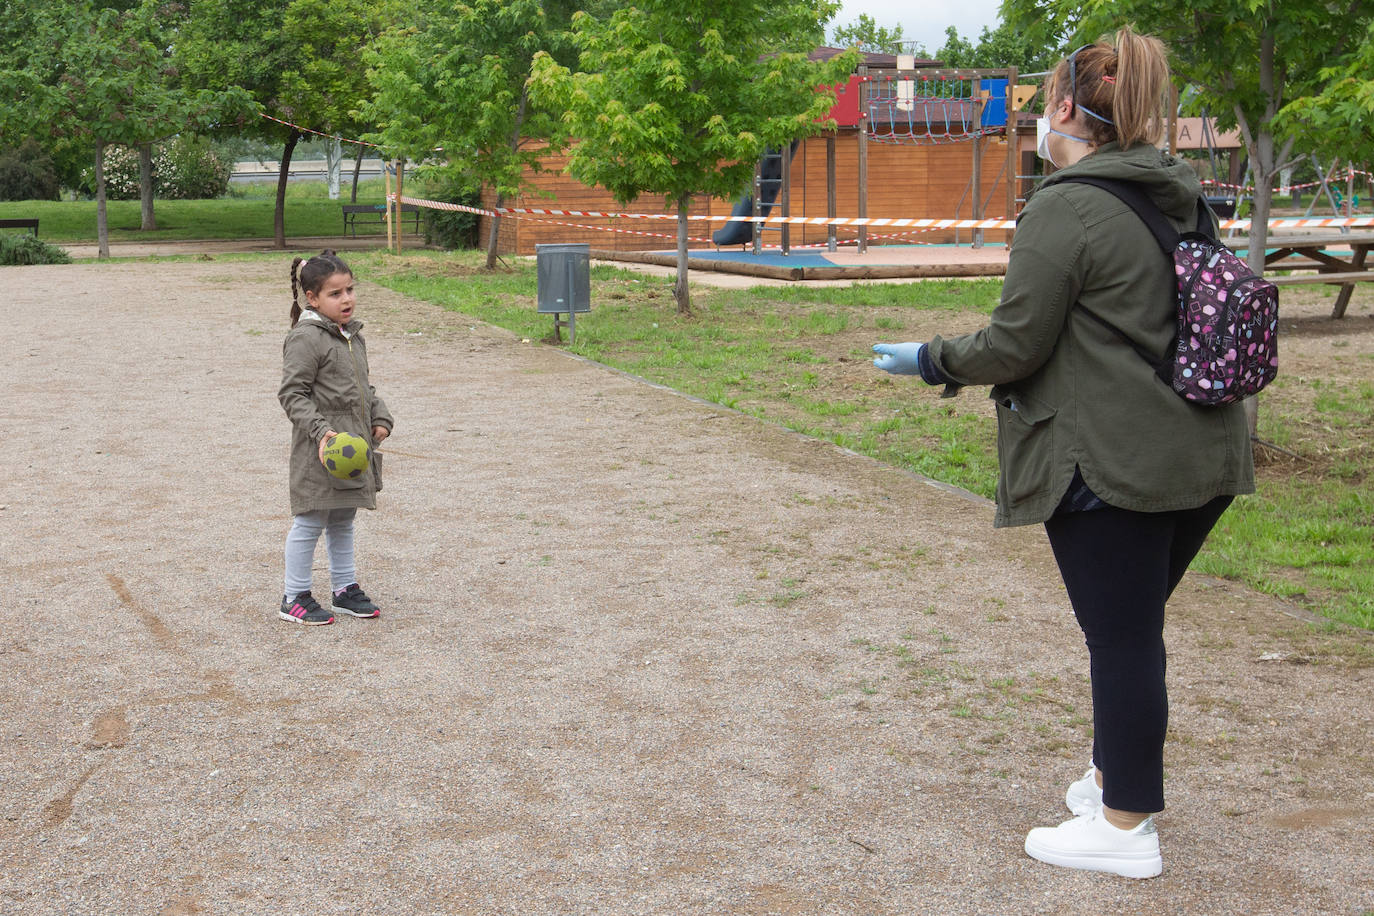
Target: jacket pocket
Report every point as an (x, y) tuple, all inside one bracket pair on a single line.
[(1025, 444), (345, 421)]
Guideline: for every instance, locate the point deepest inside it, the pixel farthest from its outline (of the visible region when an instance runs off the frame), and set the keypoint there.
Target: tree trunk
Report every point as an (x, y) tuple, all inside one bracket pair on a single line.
[(494, 235), (333, 165), (681, 294), (145, 187), (357, 170), (1265, 162), (279, 217), (102, 225)]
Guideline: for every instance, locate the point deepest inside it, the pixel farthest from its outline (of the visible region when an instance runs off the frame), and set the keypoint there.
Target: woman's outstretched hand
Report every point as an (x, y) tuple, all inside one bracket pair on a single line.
[(899, 358)]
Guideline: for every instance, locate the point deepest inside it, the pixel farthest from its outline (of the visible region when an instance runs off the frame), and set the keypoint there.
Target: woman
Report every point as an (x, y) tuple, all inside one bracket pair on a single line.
[(1127, 477)]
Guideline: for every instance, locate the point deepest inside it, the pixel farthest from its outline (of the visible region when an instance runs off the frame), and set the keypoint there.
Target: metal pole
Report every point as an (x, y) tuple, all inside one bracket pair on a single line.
[(386, 182), (830, 205), (863, 157), (1013, 149), (785, 190), (977, 210), (400, 184), (756, 226)]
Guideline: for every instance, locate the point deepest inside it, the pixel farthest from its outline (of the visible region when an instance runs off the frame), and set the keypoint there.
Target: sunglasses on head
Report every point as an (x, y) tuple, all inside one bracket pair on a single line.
[(1073, 86)]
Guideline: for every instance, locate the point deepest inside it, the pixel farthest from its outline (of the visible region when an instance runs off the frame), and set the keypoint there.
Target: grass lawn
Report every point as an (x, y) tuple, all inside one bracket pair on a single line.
[(800, 357), (246, 213)]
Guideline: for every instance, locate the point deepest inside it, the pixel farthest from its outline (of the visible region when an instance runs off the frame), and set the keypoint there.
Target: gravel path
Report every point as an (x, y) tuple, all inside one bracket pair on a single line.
[(638, 655)]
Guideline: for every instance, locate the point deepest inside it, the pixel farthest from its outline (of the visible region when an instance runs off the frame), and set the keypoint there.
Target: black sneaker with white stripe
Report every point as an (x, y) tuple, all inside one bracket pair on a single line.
[(304, 609), (353, 600)]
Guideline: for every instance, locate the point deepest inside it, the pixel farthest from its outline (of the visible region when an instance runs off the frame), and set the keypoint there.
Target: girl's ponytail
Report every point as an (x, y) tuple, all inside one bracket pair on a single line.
[(295, 284)]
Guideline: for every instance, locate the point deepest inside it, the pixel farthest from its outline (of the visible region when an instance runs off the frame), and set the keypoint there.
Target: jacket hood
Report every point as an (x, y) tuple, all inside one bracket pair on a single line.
[(1171, 183)]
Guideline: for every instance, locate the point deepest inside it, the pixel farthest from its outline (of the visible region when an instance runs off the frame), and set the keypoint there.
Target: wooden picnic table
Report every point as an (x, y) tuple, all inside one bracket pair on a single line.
[(1322, 252)]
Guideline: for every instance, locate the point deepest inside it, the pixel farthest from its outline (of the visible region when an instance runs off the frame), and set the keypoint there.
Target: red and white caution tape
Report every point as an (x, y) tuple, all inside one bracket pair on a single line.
[(925, 225), (881, 222)]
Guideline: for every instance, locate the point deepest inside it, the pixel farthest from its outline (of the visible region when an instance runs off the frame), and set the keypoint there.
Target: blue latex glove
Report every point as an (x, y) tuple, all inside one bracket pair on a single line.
[(899, 358)]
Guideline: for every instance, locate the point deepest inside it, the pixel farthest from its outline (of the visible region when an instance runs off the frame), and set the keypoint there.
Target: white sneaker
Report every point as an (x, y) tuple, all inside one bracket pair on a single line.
[(1091, 843), (1085, 795)]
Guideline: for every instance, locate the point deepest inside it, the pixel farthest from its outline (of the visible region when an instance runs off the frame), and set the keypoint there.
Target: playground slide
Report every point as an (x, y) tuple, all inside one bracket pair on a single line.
[(741, 233)]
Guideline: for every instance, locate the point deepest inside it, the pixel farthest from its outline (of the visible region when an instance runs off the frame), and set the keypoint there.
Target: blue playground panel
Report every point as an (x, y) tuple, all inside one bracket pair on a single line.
[(770, 258), (810, 257)]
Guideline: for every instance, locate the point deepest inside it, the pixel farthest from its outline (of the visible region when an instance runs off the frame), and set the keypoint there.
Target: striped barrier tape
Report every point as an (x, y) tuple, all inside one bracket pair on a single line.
[(881, 222), (927, 225)]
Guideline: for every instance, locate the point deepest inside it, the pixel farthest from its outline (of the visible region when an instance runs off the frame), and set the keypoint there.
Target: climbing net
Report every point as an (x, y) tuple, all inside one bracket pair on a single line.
[(924, 108)]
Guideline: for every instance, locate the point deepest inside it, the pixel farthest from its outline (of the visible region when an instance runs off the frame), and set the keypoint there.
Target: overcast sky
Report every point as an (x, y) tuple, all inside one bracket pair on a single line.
[(924, 20)]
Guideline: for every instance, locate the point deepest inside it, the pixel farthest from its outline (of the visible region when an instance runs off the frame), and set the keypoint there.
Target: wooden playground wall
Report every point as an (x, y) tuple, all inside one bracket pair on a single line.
[(904, 181)]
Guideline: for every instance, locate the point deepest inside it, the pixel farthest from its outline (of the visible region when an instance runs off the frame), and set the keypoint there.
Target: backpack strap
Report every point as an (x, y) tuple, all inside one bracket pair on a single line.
[(1132, 196), (1165, 235)]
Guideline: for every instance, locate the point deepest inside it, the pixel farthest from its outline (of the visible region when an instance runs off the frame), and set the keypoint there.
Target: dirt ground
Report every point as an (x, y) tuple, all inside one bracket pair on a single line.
[(639, 654)]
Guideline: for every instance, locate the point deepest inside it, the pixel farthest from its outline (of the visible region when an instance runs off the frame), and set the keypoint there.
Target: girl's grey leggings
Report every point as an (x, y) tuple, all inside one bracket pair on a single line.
[(337, 526)]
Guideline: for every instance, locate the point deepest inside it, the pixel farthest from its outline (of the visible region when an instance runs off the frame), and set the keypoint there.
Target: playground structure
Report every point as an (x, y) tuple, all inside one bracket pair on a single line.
[(911, 140)]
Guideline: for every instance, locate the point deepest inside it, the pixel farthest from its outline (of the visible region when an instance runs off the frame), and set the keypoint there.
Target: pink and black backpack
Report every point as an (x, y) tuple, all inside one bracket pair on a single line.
[(1226, 344)]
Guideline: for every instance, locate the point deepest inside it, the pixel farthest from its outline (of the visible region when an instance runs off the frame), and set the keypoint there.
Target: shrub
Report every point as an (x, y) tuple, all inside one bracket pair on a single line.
[(184, 168), (452, 229), (28, 173), (193, 171), (28, 249)]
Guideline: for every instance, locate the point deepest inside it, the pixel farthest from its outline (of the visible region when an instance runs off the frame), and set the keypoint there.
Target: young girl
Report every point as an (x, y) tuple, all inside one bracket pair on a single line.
[(1127, 477), (325, 391)]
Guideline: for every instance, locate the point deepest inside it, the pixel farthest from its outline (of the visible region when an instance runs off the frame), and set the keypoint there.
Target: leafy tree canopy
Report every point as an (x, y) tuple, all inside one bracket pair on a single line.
[(679, 97), (996, 48), (864, 34)]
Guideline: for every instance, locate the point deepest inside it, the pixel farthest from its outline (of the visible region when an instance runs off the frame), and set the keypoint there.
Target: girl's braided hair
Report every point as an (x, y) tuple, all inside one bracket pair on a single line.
[(311, 277)]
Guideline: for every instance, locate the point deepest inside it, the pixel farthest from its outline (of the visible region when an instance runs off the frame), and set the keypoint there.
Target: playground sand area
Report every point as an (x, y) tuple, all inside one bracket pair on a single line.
[(639, 654)]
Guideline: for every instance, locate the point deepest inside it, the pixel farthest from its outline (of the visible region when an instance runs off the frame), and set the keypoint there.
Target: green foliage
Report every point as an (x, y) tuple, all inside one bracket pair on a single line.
[(185, 168), (864, 34), (27, 173), (457, 84), (300, 61), (451, 229), (1331, 120), (1003, 47), (678, 98), (27, 249), (103, 74)]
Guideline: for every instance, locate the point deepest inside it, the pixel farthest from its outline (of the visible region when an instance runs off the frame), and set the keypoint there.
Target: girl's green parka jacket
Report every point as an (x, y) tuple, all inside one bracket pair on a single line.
[(1071, 392), (325, 386)]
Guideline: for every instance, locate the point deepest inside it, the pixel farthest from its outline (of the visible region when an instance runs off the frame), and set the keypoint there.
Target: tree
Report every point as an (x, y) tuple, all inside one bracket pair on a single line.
[(863, 34), (1245, 60), (102, 75), (301, 61), (1334, 122), (681, 97), (458, 84), (996, 48)]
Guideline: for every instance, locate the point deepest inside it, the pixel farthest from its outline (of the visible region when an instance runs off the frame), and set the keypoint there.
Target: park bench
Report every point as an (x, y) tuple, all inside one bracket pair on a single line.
[(20, 224), (1318, 251), (368, 214)]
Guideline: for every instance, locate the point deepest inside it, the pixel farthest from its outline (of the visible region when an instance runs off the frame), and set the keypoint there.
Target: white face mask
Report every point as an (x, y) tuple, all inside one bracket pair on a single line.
[(1042, 139)]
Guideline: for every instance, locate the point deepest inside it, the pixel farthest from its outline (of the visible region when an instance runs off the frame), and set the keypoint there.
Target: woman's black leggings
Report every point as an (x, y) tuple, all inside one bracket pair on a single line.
[(1120, 567)]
